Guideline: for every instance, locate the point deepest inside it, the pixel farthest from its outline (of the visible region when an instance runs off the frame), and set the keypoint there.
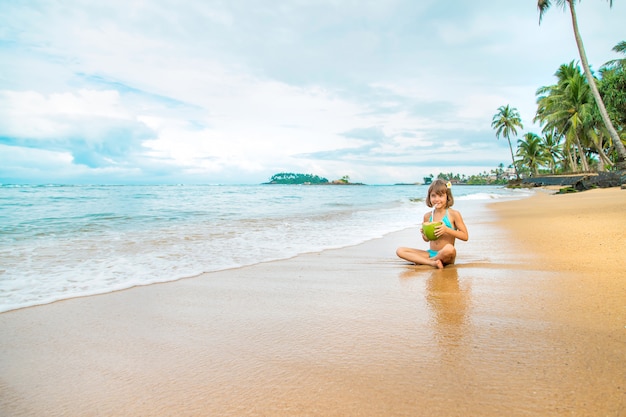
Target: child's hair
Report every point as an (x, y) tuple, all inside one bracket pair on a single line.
[(439, 187)]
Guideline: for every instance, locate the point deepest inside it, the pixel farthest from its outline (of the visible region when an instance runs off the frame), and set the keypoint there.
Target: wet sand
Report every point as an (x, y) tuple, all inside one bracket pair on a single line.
[(530, 322)]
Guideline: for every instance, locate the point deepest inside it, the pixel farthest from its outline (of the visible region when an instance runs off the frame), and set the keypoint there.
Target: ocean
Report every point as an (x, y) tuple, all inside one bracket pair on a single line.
[(59, 242)]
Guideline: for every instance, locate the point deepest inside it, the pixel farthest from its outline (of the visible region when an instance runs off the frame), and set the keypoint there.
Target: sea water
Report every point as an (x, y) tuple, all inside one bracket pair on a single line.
[(58, 242)]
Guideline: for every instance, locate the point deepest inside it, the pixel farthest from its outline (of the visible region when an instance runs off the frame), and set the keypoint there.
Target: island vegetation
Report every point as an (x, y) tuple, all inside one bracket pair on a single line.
[(497, 176), (292, 178), (307, 179)]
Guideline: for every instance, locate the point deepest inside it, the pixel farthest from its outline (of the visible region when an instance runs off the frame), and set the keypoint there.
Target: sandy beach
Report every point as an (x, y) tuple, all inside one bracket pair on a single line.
[(531, 321)]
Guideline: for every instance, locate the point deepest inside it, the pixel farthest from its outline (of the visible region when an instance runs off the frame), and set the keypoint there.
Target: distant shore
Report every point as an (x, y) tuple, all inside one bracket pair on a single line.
[(316, 183)]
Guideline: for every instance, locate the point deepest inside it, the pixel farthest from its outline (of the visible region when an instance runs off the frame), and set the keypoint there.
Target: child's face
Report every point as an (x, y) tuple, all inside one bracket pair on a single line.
[(438, 200)]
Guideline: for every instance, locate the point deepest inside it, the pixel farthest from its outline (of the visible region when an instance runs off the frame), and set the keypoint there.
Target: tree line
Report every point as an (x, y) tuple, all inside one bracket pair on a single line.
[(497, 176), (294, 178), (582, 116)]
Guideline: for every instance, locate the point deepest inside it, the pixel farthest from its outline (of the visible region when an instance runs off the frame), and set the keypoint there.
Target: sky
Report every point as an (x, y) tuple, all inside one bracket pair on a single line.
[(232, 92)]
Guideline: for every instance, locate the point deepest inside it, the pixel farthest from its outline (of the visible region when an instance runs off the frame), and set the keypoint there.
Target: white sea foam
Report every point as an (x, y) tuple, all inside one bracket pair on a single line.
[(59, 242), (513, 193)]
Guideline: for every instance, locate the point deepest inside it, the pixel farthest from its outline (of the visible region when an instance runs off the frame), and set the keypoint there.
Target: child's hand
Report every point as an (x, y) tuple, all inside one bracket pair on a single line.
[(423, 235), (441, 230)]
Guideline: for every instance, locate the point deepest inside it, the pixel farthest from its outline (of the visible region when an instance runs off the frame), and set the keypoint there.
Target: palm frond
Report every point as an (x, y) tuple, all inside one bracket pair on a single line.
[(620, 48), (542, 6), (619, 62)]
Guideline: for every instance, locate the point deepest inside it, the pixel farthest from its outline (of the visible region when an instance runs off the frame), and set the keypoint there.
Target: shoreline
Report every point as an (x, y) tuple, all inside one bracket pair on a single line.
[(528, 329), (186, 252)]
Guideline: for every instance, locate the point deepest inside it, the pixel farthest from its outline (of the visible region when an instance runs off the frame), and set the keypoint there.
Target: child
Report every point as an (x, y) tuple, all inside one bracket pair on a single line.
[(442, 251)]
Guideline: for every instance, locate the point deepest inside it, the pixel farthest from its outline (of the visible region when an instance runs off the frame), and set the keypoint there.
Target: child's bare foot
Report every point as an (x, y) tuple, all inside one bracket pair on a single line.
[(437, 264)]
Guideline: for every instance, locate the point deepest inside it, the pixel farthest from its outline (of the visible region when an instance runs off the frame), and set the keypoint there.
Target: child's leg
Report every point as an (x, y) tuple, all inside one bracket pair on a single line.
[(419, 257), (447, 255)]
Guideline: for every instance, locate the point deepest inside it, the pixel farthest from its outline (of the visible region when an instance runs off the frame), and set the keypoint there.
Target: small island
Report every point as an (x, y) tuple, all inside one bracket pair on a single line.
[(307, 179)]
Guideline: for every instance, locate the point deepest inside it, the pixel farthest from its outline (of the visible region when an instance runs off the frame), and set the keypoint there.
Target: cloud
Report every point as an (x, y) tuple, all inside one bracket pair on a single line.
[(90, 125), (208, 91)]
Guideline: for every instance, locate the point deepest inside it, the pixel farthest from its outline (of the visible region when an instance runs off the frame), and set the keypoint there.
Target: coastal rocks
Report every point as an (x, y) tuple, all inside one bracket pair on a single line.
[(602, 180), (579, 182)]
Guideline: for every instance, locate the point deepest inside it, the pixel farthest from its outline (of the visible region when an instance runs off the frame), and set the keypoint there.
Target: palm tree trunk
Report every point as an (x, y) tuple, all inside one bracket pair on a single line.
[(573, 166), (604, 160), (619, 146), (582, 155), (513, 158), (552, 164)]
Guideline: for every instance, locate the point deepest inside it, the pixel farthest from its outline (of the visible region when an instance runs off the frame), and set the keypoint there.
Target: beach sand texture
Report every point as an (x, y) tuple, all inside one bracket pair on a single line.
[(530, 322)]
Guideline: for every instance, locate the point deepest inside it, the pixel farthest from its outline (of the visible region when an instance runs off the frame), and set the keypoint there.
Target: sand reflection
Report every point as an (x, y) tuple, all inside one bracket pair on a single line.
[(448, 302)]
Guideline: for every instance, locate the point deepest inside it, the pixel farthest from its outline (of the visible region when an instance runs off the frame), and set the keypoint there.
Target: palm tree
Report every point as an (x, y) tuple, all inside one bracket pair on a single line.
[(567, 108), (552, 147), (499, 172), (505, 122), (532, 153), (543, 6), (595, 133), (613, 88)]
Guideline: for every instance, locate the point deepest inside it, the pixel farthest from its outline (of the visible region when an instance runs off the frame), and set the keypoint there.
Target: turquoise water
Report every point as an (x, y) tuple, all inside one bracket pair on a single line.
[(59, 242)]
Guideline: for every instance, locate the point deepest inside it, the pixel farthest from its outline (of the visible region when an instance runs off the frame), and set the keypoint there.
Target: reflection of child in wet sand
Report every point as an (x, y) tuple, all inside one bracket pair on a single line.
[(442, 251)]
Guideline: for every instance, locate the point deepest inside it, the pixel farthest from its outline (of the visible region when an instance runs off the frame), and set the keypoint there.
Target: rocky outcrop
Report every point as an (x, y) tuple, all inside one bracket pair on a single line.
[(580, 182)]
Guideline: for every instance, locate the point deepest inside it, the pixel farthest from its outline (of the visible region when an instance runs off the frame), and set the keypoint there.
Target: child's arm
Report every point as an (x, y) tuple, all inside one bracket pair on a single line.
[(459, 225)]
